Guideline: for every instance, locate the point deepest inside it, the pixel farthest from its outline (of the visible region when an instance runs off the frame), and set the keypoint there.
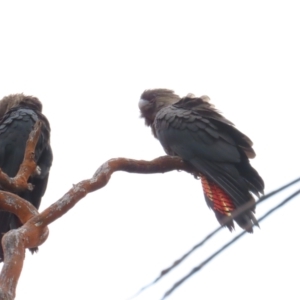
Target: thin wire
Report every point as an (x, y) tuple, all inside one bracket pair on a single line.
[(238, 212), (205, 262)]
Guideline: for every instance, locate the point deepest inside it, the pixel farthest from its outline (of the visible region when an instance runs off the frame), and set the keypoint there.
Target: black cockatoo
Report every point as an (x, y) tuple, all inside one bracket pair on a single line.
[(18, 114), (194, 130)]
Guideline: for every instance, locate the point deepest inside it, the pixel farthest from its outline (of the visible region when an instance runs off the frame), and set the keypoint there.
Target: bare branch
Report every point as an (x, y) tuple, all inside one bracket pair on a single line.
[(102, 176), (27, 168), (14, 245), (34, 232), (15, 241)]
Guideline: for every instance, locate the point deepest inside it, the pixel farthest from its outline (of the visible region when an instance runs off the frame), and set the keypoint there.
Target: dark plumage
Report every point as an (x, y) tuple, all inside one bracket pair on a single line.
[(194, 130), (18, 114)]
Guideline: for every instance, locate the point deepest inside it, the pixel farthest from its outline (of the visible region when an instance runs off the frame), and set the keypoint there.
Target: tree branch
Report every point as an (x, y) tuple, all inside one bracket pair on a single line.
[(34, 231), (27, 168), (14, 244)]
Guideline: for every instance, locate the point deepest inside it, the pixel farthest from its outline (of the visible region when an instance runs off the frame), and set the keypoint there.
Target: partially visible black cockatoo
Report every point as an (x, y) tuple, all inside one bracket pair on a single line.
[(194, 130), (18, 114)]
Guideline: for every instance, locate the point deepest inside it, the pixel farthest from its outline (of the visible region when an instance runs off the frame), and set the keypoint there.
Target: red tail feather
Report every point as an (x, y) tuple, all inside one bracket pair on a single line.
[(221, 202)]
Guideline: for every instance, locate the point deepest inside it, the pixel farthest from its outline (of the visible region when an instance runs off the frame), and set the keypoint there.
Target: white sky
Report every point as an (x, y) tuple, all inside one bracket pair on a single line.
[(88, 62)]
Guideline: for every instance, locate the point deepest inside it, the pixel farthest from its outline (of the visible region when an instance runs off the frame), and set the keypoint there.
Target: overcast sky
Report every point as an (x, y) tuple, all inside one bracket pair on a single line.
[(89, 62)]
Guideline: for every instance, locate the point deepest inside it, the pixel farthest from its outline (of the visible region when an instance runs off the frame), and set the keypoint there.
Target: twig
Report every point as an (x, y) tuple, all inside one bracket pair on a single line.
[(27, 168)]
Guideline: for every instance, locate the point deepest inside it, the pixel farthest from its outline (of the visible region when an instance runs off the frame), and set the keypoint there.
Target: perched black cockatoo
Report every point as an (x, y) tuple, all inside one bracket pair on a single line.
[(194, 130), (18, 114)]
